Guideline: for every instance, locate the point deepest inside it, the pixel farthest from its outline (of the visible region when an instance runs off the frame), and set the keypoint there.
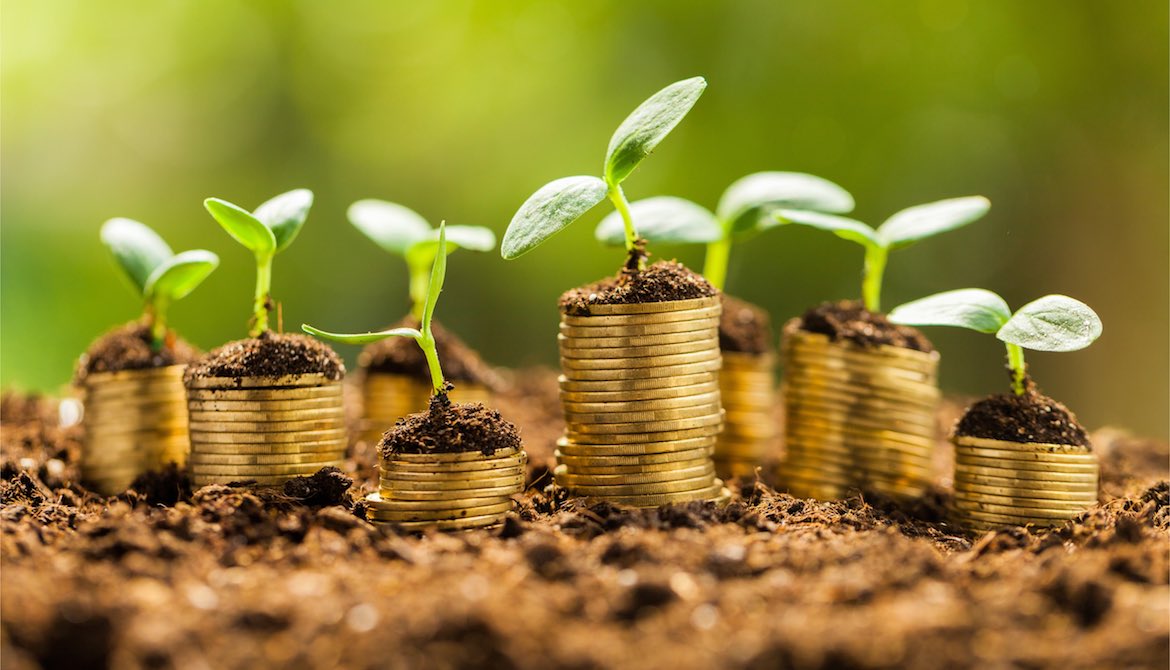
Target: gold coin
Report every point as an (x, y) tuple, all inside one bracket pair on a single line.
[(673, 486), (485, 483), (452, 494), (469, 523), (324, 402), (571, 448), (819, 342), (1066, 483), (570, 478), (1013, 457), (884, 439), (696, 314), (1028, 491), (860, 414), (389, 475), (264, 438), (656, 404), (861, 467), (662, 307), (918, 395), (377, 502), (259, 394), (1021, 505), (631, 460), (642, 373), (98, 379), (709, 326), (262, 470), (141, 395), (517, 461), (266, 427), (666, 393), (711, 416), (666, 339), (198, 479), (656, 384), (751, 416), (853, 444), (379, 514), (709, 493), (1027, 447), (867, 401), (329, 413), (273, 382), (854, 427), (640, 469), (271, 449), (587, 353), (864, 372), (571, 366), (1015, 519), (305, 458), (453, 457), (965, 460), (606, 439), (655, 416)]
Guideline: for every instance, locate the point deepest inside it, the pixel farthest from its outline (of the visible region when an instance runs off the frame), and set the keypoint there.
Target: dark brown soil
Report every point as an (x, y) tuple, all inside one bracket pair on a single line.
[(401, 355), (270, 355), (849, 320), (450, 428), (744, 327), (661, 282), (235, 578), (128, 348), (1031, 417)]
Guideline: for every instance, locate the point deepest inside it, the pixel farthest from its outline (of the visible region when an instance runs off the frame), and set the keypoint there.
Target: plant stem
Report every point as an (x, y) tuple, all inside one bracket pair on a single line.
[(618, 198), (263, 288), (156, 317), (1018, 367), (427, 342), (871, 281), (420, 279), (717, 258)]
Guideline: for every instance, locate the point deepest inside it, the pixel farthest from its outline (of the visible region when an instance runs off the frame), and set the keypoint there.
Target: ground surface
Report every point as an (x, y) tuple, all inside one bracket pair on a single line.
[(227, 578)]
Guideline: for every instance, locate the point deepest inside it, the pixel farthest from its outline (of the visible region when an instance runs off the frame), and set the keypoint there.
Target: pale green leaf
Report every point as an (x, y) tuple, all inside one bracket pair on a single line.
[(647, 125), (438, 276), (242, 226), (285, 214), (1052, 323), (391, 226), (664, 219), (840, 226), (361, 338), (973, 308), (180, 274), (747, 203), (915, 223), (550, 209), (474, 238), (137, 249)]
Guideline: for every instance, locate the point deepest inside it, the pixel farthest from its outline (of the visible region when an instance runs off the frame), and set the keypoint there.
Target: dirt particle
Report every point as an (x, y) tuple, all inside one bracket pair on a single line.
[(744, 327)]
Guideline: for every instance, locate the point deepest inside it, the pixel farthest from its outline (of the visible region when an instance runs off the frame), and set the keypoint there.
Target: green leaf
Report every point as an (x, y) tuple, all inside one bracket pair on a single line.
[(913, 224), (840, 226), (550, 209), (474, 238), (136, 248), (180, 274), (663, 219), (361, 338), (390, 225), (747, 203), (1052, 323), (645, 127), (285, 214), (438, 276), (242, 226), (972, 308)]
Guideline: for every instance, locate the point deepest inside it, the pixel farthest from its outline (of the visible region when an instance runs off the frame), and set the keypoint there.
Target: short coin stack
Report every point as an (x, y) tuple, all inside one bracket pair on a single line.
[(387, 397), (447, 491), (1000, 483), (748, 389), (266, 429), (135, 421), (640, 394), (857, 417)]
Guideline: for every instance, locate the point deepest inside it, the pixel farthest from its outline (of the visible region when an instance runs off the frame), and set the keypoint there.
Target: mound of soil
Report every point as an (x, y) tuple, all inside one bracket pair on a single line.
[(128, 347), (661, 282), (448, 427), (849, 320), (269, 355), (402, 356), (1031, 417), (744, 327)]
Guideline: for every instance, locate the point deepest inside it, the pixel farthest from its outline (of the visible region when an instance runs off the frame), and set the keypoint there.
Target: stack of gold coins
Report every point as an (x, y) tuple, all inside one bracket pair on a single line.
[(135, 421), (747, 386), (640, 394), (857, 417), (387, 397), (264, 429), (447, 491), (1000, 483)]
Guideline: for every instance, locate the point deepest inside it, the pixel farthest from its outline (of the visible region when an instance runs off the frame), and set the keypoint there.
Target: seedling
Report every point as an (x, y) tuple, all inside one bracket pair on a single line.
[(402, 232), (423, 335), (159, 275), (1051, 323), (265, 232), (563, 201), (900, 230), (744, 210)]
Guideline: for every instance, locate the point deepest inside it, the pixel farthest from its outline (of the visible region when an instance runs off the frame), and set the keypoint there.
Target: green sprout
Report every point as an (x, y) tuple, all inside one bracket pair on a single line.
[(402, 232), (424, 336), (1051, 323), (744, 210), (563, 201), (159, 275), (900, 230), (265, 232)]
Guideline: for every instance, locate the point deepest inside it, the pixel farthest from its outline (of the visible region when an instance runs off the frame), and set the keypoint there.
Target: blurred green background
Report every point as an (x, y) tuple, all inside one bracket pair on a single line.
[(1056, 110)]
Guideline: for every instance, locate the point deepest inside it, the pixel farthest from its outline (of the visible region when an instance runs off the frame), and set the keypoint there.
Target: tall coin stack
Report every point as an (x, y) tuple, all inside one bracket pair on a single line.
[(857, 417), (135, 421), (266, 429), (640, 394), (1000, 483), (387, 397), (748, 389), (447, 491)]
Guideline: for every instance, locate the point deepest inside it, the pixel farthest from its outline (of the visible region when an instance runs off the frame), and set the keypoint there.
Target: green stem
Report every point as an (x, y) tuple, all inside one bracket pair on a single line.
[(156, 314), (263, 288), (427, 342), (717, 259), (420, 279), (618, 198), (1018, 367), (871, 281)]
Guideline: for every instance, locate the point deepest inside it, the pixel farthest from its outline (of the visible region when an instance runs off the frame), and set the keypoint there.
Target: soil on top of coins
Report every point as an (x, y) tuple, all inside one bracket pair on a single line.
[(661, 282), (163, 576), (849, 320), (1031, 417), (128, 347), (269, 355), (448, 427), (403, 356), (744, 327)]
